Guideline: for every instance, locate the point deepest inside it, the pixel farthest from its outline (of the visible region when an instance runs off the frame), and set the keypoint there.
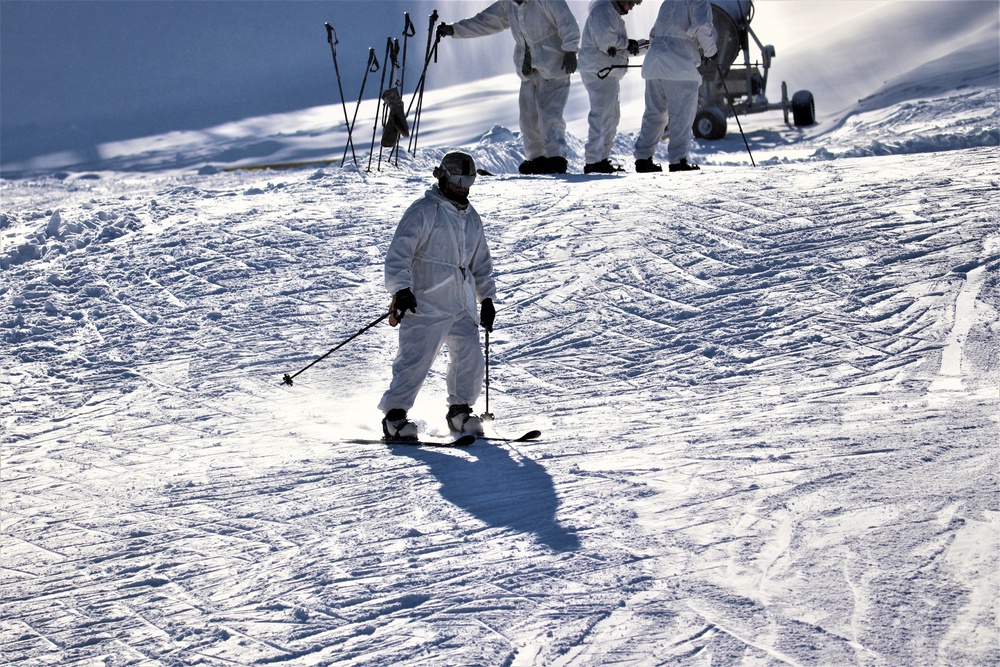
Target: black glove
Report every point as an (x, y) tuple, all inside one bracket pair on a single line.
[(709, 67), (445, 30), (402, 301), (487, 313), (633, 47), (569, 62), (526, 68), (612, 51)]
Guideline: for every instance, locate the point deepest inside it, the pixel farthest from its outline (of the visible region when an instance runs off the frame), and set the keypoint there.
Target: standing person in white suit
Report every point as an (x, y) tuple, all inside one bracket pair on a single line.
[(682, 36), (604, 44), (437, 267), (547, 38)]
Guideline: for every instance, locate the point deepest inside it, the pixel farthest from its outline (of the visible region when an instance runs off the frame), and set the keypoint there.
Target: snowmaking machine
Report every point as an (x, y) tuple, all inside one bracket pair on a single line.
[(740, 88)]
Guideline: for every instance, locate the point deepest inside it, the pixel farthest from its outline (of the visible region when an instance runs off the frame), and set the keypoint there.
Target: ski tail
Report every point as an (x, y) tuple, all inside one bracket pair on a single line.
[(463, 441)]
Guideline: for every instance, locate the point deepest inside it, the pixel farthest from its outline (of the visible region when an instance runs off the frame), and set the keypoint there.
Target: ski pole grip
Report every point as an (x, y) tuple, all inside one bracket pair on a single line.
[(409, 30), (330, 34)]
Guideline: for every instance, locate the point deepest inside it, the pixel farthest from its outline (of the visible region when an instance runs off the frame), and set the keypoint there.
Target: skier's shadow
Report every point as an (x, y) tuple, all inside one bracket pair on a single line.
[(498, 490)]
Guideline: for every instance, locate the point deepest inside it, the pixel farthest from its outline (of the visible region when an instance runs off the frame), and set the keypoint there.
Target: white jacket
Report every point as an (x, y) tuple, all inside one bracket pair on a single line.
[(440, 253), (547, 27), (603, 30), (681, 28)]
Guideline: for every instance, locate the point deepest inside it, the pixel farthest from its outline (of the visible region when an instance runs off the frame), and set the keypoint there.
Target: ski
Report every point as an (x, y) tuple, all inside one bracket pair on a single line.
[(463, 441), (530, 435)]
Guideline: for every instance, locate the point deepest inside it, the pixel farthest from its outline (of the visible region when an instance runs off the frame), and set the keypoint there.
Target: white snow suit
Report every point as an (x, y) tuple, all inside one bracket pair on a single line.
[(440, 253), (547, 30), (603, 30), (671, 73)]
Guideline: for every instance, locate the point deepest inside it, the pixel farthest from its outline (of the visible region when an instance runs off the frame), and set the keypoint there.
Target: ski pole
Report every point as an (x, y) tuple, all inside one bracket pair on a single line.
[(418, 94), (378, 103), (735, 115), (331, 37), (372, 67), (640, 45), (409, 30), (604, 73), (487, 416), (420, 100), (287, 379)]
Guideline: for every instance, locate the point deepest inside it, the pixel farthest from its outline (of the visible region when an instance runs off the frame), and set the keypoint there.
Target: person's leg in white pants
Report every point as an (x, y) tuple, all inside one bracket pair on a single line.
[(466, 366), (676, 100), (531, 134), (551, 98), (682, 105), (420, 342), (654, 119), (604, 116)]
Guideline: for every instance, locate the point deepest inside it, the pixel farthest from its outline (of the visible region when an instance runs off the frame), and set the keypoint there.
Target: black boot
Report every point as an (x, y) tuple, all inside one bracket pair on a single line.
[(531, 166), (602, 167), (683, 166), (556, 165), (647, 166)]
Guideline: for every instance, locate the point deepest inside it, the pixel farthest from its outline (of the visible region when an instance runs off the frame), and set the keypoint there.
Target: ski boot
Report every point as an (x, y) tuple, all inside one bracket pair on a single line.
[(395, 426), (461, 420)]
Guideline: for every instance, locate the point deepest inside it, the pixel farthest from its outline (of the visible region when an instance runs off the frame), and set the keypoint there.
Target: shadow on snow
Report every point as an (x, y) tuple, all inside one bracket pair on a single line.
[(499, 490)]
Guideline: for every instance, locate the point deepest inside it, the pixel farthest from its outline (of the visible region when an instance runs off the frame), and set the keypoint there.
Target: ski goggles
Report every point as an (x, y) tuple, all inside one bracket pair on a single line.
[(459, 169), (462, 181)]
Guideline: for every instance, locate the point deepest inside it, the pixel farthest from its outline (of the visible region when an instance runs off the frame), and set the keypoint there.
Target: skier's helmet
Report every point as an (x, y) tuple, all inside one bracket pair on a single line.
[(457, 168)]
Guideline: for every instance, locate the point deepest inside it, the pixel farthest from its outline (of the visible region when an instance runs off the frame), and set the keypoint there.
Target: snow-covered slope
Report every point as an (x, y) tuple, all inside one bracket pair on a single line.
[(769, 397)]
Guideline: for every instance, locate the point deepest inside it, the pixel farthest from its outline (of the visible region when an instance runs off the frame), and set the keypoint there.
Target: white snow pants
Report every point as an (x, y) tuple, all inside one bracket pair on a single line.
[(676, 100), (542, 102), (605, 113), (420, 341)]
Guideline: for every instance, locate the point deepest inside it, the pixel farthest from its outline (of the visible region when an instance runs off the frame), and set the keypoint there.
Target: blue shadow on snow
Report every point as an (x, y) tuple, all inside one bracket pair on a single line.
[(498, 490)]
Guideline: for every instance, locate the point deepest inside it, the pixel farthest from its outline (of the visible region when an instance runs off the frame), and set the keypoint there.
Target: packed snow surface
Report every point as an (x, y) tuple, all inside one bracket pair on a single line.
[(768, 399)]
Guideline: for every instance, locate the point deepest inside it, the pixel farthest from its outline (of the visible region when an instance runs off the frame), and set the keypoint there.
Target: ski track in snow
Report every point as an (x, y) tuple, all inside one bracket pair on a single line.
[(768, 398)]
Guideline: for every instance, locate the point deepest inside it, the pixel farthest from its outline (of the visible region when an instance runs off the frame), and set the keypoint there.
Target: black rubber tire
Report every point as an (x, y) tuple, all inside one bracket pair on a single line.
[(803, 108), (710, 123)]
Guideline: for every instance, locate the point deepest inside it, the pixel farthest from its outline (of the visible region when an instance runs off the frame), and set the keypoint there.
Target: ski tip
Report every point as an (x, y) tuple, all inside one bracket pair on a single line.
[(530, 435)]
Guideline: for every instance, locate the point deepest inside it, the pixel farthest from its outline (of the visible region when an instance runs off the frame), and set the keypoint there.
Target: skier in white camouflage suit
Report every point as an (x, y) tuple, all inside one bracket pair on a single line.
[(605, 44), (547, 37), (682, 28), (437, 267)]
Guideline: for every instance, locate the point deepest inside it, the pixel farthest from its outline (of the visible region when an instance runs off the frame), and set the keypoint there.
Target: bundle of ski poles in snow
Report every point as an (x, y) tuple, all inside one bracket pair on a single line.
[(396, 122)]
